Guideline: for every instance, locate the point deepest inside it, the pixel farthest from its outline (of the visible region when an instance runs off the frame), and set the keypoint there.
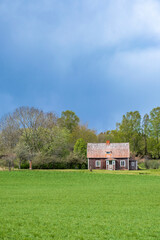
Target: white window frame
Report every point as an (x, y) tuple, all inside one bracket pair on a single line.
[(121, 165), (98, 165), (113, 162), (132, 164), (108, 152)]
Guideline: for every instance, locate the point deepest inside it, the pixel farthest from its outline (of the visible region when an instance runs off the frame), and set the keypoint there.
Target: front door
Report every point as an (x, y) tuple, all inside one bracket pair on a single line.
[(110, 164)]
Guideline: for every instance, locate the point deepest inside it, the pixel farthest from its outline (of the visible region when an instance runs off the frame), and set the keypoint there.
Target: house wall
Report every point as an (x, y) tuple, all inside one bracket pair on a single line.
[(92, 163), (131, 167), (118, 167)]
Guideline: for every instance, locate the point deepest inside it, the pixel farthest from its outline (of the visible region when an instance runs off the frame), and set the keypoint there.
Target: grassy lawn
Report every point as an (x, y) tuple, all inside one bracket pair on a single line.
[(79, 205)]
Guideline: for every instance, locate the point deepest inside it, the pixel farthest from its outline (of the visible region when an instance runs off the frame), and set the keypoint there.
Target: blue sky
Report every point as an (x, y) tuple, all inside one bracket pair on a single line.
[(97, 58)]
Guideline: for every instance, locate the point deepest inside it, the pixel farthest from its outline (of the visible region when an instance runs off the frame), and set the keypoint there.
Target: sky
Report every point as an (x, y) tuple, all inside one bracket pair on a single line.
[(99, 59)]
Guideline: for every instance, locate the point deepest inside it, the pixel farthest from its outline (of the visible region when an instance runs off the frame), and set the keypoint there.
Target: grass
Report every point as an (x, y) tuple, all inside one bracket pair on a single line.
[(79, 205)]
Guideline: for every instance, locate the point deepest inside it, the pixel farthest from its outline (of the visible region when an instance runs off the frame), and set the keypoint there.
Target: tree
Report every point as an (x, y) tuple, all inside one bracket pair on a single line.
[(8, 160), (130, 130), (10, 132), (68, 120), (145, 127), (80, 148), (30, 120), (54, 142), (112, 136), (82, 131), (154, 128), (9, 137), (49, 144), (22, 152), (75, 161)]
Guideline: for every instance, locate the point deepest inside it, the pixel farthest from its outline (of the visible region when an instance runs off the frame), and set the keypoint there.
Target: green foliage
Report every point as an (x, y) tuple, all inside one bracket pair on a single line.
[(50, 145), (154, 128), (145, 130), (155, 122), (113, 136), (152, 164), (130, 130), (80, 148), (21, 150), (78, 205), (53, 142), (68, 120), (141, 166), (82, 131), (75, 160), (25, 165), (29, 134)]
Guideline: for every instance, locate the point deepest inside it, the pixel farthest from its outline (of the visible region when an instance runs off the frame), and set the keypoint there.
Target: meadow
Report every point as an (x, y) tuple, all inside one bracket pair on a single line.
[(79, 205)]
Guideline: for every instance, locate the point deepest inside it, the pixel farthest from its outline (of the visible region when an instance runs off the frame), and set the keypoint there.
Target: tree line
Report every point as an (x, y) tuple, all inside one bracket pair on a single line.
[(31, 137), (44, 140), (143, 134)]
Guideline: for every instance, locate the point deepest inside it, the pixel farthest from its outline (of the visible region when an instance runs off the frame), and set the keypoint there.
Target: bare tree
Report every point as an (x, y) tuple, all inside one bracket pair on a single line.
[(10, 131), (30, 120), (23, 123), (9, 137)]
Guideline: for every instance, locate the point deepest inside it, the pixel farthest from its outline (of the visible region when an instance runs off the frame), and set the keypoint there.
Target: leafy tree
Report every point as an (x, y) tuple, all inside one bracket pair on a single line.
[(154, 128), (155, 123), (22, 152), (49, 144), (112, 136), (80, 148), (75, 161), (82, 131), (8, 160), (130, 130), (68, 120), (54, 142), (145, 127)]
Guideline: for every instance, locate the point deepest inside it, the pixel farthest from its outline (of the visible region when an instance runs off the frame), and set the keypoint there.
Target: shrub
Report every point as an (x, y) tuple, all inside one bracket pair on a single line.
[(25, 165), (141, 166), (152, 164)]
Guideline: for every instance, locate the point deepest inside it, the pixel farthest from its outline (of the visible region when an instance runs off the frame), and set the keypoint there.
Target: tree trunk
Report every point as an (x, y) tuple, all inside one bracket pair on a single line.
[(13, 164), (9, 165), (19, 164), (30, 164), (145, 149)]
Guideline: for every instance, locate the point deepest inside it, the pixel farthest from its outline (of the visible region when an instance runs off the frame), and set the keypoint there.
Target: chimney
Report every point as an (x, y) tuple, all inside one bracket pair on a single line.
[(107, 142)]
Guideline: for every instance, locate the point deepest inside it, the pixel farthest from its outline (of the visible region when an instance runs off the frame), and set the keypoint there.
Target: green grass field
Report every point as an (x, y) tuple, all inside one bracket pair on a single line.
[(79, 205)]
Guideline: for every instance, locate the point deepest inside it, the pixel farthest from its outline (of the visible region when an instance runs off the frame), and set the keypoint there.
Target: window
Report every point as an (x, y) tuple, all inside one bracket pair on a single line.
[(132, 164), (122, 163), (109, 152), (98, 163)]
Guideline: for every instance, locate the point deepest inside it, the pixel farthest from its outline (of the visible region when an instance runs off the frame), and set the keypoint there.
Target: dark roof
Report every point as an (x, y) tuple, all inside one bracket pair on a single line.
[(112, 150)]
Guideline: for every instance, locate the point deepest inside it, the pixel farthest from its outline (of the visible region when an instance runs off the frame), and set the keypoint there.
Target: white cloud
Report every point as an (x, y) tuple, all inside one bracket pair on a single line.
[(67, 29), (138, 66), (86, 23)]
